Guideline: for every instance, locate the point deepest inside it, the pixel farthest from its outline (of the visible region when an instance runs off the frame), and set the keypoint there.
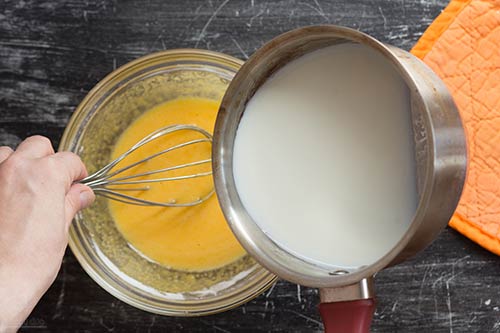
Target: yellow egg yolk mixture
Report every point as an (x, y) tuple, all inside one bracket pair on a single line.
[(188, 238)]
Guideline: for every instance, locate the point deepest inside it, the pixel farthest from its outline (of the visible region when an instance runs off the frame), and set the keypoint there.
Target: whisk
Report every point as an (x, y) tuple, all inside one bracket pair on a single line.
[(108, 182)]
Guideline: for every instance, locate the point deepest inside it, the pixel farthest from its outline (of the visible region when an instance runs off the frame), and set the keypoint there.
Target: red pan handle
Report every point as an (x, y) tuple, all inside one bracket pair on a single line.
[(348, 316)]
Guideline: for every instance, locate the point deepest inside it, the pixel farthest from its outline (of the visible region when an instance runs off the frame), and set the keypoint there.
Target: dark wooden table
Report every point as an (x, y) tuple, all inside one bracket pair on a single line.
[(53, 52)]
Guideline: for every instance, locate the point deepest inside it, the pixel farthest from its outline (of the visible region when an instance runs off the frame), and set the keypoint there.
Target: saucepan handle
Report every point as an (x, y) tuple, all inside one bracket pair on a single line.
[(348, 316), (348, 309)]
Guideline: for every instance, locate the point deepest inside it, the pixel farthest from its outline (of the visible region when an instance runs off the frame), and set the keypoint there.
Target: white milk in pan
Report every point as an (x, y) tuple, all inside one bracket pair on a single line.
[(323, 157)]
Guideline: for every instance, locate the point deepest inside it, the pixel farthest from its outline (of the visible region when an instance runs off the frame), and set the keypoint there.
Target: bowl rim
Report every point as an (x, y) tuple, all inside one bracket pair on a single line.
[(260, 283)]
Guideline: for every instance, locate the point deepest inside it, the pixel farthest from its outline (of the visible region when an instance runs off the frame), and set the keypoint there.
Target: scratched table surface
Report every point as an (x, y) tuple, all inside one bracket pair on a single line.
[(53, 52)]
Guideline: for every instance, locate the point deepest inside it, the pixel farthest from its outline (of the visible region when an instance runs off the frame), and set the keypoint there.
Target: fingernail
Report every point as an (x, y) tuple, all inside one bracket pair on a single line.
[(86, 199)]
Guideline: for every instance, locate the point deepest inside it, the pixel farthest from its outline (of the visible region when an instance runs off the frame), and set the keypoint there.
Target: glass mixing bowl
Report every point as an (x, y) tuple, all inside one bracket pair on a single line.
[(94, 239)]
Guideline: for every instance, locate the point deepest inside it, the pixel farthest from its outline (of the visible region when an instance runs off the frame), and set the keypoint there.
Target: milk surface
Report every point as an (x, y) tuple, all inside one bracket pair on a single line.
[(323, 158)]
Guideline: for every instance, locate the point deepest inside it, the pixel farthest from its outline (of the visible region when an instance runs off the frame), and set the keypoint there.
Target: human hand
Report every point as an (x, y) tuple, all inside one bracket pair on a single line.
[(38, 200)]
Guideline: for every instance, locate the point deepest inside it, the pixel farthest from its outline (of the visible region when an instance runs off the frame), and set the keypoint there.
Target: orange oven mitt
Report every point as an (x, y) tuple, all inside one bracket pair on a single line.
[(463, 47)]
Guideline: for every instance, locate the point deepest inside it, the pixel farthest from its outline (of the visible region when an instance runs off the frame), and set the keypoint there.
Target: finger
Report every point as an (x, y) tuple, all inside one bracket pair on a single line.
[(35, 147), (78, 197), (5, 152), (73, 164)]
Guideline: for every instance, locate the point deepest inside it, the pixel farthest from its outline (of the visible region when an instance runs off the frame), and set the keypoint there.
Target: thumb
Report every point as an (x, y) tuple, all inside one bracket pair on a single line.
[(78, 197)]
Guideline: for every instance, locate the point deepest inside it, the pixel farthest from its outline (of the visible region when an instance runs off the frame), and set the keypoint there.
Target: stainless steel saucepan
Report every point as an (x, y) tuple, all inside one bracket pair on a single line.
[(347, 297)]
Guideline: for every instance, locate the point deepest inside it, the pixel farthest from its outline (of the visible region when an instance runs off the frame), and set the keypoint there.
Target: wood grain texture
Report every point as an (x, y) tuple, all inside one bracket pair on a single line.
[(53, 52)]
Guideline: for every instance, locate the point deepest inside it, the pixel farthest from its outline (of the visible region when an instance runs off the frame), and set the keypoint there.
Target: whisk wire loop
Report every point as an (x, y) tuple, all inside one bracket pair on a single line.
[(106, 182)]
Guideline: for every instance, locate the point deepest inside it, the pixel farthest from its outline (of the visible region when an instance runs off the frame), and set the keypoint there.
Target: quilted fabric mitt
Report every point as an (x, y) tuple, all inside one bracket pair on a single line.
[(463, 47)]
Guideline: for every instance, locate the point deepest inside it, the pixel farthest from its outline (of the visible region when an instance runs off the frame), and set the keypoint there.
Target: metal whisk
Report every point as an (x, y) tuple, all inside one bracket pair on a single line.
[(108, 183)]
